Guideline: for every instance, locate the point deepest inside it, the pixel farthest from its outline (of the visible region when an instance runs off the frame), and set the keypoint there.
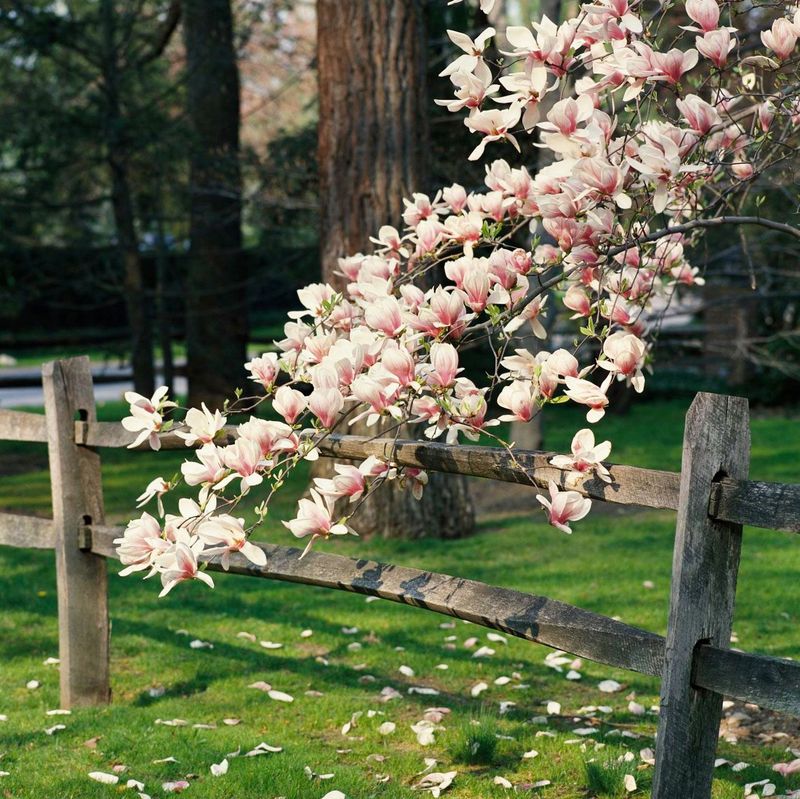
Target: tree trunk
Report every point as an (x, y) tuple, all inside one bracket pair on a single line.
[(135, 301), (373, 141), (216, 291), (123, 210)]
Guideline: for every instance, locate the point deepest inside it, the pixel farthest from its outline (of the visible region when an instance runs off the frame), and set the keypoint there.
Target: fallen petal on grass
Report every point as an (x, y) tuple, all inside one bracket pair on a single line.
[(105, 778)]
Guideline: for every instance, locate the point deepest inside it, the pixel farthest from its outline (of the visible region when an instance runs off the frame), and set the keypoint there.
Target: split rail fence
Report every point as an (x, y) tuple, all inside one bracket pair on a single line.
[(712, 496)]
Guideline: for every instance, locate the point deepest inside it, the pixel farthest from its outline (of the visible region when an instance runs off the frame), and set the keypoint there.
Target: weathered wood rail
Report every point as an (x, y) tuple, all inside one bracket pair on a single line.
[(712, 496)]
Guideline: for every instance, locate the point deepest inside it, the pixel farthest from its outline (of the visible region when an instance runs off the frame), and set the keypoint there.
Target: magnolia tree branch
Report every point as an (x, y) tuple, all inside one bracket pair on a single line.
[(716, 221), (647, 145)]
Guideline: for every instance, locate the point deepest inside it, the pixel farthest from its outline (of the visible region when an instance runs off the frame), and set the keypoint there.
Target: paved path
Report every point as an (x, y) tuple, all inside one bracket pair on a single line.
[(115, 381)]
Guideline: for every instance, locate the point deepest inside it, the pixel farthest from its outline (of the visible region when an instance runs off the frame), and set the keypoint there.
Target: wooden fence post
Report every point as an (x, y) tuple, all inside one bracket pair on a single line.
[(77, 500), (705, 563)]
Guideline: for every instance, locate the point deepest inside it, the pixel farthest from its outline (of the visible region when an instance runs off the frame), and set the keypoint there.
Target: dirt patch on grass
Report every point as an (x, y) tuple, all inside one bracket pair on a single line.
[(746, 723)]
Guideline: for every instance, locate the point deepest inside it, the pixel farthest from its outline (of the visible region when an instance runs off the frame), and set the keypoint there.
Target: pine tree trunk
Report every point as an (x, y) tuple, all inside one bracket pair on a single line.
[(372, 148), (216, 296)]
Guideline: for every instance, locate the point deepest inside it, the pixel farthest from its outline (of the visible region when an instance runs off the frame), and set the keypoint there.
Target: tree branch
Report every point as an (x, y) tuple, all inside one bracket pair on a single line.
[(714, 221), (163, 35)]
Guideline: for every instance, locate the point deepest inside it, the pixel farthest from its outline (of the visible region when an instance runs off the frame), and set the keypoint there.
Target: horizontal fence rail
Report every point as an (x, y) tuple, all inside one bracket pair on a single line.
[(22, 426), (30, 532), (774, 681), (775, 506)]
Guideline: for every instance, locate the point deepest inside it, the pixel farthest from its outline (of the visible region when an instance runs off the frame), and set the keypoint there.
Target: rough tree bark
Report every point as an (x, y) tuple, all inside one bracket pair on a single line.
[(123, 209), (216, 292), (373, 134)]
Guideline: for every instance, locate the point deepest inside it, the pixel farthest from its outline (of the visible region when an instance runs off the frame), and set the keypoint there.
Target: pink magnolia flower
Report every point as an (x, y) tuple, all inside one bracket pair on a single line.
[(660, 161), (415, 479), (271, 437), (471, 89), (549, 45), (700, 115), (527, 88), (263, 369), (316, 298), (428, 235), (564, 507), (289, 403), (181, 564), (244, 457), (389, 239), (495, 125), (385, 316), (766, 113), (475, 287), (378, 394), (445, 309), (225, 534), (155, 404), (418, 208), (715, 46), (606, 178), (348, 482), (704, 12), (146, 417), (626, 354), (688, 275), (155, 488), (563, 363), (566, 114), (741, 168), (519, 397), (576, 299), (203, 426), (326, 404), (314, 518), (530, 313), (210, 471), (672, 66), (473, 51), (456, 197), (399, 363), (443, 366), (375, 467), (781, 38), (586, 393), (140, 545), (586, 456)]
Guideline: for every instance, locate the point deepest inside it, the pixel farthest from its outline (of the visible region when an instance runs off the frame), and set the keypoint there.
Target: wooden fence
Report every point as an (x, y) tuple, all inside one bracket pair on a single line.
[(712, 496)]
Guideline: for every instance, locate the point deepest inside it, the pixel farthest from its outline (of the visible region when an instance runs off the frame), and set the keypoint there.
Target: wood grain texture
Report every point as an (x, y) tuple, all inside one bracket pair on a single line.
[(77, 498), (630, 485), (22, 426), (27, 532), (771, 682), (534, 618), (704, 570), (772, 505)]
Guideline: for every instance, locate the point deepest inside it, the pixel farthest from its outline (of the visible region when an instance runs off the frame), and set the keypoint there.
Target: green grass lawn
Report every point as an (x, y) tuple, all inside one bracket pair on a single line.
[(357, 647)]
